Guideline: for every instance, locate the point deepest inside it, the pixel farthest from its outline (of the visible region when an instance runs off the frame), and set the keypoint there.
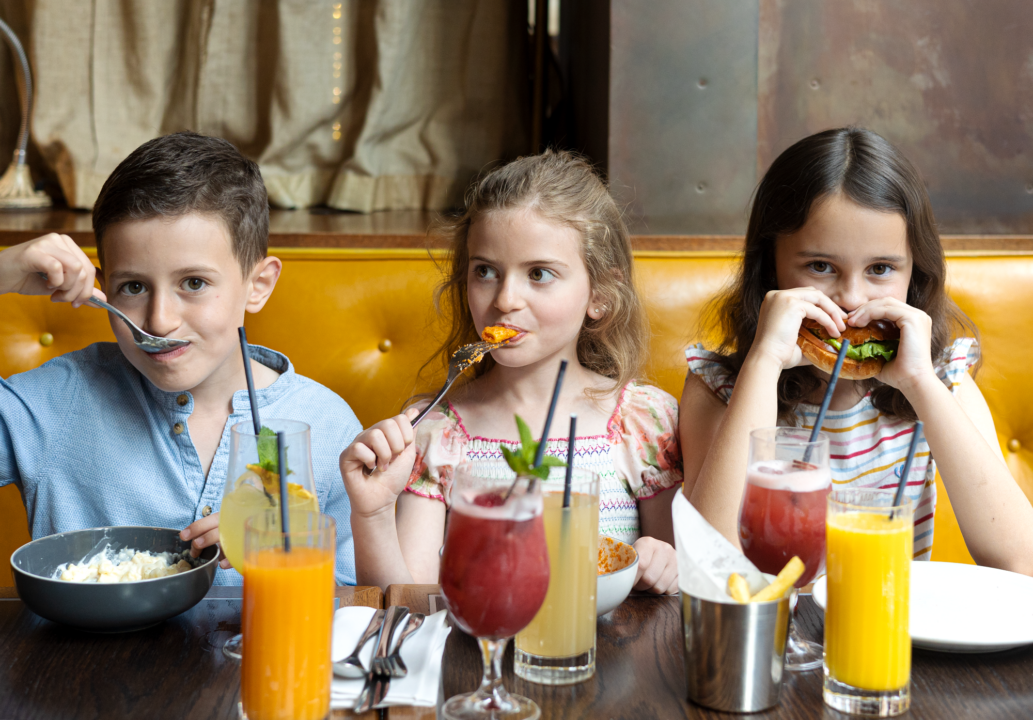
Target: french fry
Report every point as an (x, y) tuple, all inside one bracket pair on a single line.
[(738, 588), (789, 575)]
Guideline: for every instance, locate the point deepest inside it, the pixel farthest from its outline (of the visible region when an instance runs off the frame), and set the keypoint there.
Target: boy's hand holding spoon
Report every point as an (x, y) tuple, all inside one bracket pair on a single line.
[(70, 274)]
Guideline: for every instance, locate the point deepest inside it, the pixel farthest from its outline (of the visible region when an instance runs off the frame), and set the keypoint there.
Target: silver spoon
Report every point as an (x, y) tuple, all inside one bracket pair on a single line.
[(351, 666), (145, 341)]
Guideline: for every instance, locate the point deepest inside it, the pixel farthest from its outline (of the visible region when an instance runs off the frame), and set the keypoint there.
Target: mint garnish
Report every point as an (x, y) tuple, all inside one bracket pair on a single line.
[(521, 460)]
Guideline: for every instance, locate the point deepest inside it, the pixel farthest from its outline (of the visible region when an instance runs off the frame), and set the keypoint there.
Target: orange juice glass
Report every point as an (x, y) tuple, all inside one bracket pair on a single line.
[(287, 617), (867, 641)]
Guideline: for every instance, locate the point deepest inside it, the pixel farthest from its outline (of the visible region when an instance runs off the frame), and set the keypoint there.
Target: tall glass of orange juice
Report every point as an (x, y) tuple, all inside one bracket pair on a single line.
[(287, 617), (867, 642)]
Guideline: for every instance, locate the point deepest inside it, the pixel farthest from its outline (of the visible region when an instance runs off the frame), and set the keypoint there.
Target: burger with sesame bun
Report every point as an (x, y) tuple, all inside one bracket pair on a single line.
[(871, 347)]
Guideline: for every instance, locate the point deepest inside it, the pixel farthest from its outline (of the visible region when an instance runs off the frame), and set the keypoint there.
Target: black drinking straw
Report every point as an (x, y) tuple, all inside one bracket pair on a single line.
[(250, 381), (570, 462), (915, 437), (285, 522), (820, 420), (251, 395), (552, 410)]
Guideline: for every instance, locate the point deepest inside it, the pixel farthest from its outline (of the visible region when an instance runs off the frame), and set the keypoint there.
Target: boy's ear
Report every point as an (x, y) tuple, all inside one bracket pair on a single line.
[(262, 281)]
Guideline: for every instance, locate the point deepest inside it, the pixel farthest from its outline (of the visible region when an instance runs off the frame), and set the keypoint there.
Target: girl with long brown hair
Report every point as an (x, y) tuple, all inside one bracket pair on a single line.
[(541, 249), (841, 234)]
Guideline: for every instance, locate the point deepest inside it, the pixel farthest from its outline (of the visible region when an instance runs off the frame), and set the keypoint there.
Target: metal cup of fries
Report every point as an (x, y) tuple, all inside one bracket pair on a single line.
[(735, 618), (734, 652)]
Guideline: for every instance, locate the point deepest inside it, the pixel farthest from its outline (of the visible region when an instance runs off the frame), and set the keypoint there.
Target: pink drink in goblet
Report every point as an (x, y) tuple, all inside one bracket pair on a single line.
[(495, 568), (494, 577)]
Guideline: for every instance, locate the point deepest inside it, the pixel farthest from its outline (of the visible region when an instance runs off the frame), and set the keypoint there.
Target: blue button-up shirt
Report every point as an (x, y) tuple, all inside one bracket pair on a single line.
[(91, 442)]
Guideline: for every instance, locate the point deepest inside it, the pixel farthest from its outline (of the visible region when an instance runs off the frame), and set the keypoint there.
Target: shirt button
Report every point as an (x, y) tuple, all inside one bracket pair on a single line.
[(182, 400), (206, 511), (177, 428)]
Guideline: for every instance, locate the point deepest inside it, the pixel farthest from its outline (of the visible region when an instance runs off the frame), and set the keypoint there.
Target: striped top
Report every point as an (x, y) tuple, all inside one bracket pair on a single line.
[(637, 458), (868, 447)]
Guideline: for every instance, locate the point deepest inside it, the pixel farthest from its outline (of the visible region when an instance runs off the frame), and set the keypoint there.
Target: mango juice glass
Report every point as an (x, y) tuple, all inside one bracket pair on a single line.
[(287, 618), (558, 647), (867, 640)]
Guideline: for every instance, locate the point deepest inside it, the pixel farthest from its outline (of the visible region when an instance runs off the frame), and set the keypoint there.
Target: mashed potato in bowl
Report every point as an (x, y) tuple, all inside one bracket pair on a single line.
[(125, 565)]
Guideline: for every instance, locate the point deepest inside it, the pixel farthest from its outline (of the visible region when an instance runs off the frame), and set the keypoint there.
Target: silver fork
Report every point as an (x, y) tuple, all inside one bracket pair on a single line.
[(393, 665), (145, 341), (377, 683), (462, 360)]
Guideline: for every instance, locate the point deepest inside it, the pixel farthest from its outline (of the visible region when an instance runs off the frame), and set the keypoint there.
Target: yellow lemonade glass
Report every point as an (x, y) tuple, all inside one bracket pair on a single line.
[(867, 642), (558, 647), (253, 486), (287, 617)]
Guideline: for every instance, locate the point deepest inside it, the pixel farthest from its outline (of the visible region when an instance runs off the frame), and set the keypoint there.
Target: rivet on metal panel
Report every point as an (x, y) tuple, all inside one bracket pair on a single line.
[(815, 84), (702, 83), (701, 188)]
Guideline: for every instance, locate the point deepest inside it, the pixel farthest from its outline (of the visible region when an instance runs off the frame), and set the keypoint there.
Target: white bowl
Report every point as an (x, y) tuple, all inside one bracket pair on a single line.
[(613, 587)]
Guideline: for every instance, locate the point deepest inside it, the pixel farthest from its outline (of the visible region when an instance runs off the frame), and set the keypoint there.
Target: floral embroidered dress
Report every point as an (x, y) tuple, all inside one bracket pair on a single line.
[(868, 448), (637, 458)]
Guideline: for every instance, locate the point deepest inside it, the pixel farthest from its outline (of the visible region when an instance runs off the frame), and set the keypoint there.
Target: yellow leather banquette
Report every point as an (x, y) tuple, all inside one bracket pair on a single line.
[(361, 322)]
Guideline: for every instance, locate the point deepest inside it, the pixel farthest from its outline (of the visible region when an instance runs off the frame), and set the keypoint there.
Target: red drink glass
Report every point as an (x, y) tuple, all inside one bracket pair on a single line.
[(494, 577), (783, 514)]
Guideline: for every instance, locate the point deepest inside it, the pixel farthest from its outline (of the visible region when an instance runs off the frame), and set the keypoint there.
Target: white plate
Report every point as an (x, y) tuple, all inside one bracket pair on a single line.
[(965, 608)]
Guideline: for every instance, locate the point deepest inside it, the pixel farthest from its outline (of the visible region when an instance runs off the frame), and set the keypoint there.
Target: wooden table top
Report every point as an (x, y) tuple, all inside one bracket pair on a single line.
[(177, 668), (640, 672), (173, 670)]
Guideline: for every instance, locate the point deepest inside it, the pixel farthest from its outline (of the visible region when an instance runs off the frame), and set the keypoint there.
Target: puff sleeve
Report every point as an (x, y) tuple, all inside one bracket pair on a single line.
[(647, 451), (957, 360), (440, 447)]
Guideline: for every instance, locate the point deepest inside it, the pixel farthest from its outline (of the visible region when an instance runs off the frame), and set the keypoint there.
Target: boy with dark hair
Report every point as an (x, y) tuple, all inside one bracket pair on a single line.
[(111, 435)]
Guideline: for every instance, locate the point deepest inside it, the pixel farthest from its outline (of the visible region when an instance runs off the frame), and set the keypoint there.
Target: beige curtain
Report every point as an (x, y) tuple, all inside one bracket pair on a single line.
[(364, 105)]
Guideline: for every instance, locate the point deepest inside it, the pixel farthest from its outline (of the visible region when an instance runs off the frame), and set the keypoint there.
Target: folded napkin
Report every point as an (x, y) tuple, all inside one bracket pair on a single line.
[(421, 653), (706, 558)]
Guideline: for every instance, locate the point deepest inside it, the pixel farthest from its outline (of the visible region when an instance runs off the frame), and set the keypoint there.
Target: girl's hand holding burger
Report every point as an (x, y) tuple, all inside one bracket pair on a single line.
[(913, 362), (781, 315)]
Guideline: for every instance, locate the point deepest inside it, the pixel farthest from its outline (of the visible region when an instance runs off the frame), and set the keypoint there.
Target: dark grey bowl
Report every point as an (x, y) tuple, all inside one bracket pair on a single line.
[(108, 607)]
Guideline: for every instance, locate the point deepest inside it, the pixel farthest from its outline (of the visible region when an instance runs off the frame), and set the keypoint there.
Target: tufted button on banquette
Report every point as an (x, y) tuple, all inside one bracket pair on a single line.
[(46, 339), (177, 428), (1014, 445), (385, 346), (183, 400), (206, 511)]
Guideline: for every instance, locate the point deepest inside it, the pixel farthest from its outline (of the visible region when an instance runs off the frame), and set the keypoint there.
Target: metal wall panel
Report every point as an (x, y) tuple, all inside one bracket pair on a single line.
[(950, 82), (683, 112), (704, 94)]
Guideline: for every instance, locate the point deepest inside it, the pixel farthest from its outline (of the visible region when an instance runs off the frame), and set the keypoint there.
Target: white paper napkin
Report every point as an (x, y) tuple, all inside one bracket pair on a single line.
[(706, 558), (421, 653)]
